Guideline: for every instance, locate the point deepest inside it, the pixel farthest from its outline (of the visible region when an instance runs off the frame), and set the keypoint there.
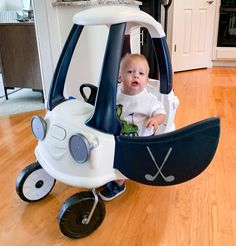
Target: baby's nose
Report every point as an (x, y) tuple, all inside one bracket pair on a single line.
[(136, 74)]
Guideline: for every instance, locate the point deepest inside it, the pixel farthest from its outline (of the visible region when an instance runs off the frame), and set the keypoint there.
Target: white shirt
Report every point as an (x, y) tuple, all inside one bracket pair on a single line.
[(137, 109)]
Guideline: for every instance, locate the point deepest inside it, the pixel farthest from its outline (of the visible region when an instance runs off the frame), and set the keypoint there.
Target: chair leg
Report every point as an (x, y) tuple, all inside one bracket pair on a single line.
[(41, 91), (5, 91), (42, 96)]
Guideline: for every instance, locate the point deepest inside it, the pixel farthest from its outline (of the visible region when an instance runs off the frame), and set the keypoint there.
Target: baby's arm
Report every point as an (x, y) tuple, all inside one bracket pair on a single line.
[(155, 121)]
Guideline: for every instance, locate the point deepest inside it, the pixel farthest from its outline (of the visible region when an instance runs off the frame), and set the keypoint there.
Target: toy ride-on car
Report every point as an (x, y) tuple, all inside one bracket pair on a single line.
[(79, 141)]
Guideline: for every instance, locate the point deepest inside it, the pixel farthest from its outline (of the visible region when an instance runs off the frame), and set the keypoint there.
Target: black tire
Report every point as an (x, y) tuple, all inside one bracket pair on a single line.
[(75, 210), (33, 183)]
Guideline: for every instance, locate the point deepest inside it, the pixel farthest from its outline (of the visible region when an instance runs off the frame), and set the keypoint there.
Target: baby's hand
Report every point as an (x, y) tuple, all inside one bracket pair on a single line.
[(152, 123), (155, 121)]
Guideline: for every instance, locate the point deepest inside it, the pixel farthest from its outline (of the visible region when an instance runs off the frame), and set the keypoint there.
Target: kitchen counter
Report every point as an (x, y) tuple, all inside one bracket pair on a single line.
[(94, 2)]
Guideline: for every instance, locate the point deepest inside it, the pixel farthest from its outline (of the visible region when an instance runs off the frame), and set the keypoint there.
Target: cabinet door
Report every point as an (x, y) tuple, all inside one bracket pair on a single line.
[(19, 56)]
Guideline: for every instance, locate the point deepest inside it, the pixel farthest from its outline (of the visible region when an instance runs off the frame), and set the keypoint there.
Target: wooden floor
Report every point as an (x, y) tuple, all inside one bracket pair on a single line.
[(200, 212)]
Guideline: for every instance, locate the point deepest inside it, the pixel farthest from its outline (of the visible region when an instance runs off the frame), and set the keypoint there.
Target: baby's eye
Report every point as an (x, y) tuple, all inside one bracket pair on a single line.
[(141, 73), (129, 71)]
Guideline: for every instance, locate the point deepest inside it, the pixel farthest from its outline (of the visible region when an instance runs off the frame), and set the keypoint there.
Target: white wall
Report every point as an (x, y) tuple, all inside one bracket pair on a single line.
[(2, 4), (13, 4)]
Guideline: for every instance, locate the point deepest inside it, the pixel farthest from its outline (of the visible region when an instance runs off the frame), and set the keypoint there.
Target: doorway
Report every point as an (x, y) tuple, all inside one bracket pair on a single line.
[(193, 28)]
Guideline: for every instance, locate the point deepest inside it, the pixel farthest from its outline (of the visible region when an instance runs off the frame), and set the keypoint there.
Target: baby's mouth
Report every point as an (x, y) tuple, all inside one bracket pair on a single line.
[(135, 83)]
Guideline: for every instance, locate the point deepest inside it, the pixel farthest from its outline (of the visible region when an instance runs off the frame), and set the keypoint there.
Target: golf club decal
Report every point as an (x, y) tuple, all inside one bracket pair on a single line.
[(150, 177)]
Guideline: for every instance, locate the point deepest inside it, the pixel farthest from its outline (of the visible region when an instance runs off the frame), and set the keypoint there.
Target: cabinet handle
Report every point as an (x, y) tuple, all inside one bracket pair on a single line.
[(141, 38), (210, 1)]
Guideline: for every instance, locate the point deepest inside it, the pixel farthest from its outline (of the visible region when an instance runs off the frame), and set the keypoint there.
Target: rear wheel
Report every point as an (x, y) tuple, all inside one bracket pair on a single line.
[(33, 183)]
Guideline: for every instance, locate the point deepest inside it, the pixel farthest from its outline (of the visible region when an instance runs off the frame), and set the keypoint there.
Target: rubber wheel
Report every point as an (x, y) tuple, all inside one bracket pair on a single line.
[(75, 210), (33, 183)]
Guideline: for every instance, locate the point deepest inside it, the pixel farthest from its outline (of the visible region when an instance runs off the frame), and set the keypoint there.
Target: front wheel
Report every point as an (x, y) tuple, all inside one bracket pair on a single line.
[(33, 183), (74, 213)]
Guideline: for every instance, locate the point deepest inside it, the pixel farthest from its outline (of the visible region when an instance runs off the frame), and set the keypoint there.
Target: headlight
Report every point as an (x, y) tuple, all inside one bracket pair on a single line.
[(39, 127), (80, 148)]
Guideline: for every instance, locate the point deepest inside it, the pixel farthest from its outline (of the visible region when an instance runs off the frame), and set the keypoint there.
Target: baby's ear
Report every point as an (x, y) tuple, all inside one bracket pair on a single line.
[(119, 78)]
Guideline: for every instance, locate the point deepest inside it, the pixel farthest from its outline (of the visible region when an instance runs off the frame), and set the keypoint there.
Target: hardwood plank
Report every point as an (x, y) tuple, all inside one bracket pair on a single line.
[(199, 212)]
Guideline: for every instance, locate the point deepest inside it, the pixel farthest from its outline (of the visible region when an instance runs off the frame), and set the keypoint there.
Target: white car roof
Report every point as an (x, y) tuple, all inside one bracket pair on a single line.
[(108, 15)]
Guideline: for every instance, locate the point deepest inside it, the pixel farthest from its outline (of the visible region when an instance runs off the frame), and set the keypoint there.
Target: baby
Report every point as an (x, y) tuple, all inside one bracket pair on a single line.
[(139, 111)]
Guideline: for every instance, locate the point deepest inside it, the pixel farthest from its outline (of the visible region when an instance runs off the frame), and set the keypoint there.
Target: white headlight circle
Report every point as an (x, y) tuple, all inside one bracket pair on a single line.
[(79, 148)]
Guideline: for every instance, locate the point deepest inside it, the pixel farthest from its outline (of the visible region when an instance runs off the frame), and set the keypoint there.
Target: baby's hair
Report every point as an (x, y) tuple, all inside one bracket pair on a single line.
[(127, 57)]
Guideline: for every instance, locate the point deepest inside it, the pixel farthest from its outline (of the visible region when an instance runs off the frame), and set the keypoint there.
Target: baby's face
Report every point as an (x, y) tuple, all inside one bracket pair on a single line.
[(134, 76)]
